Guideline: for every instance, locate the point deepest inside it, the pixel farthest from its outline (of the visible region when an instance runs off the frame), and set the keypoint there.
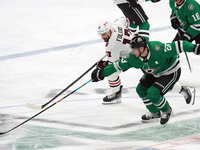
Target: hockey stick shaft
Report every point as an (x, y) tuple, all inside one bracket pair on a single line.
[(190, 68), (46, 108), (188, 62), (42, 106)]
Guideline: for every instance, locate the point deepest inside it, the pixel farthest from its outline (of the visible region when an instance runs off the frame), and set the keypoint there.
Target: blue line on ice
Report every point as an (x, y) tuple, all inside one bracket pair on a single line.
[(25, 54)]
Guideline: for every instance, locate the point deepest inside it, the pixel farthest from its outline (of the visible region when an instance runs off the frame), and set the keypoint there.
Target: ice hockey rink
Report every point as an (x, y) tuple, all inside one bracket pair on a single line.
[(45, 45)]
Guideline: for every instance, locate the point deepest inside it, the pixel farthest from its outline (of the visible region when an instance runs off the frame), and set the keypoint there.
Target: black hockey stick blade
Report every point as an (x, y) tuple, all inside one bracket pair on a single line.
[(45, 108)]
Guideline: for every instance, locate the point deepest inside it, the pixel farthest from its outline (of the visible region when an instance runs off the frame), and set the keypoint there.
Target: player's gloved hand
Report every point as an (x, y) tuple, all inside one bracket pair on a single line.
[(174, 22), (186, 37), (133, 3), (196, 49), (97, 75), (154, 1), (102, 64)]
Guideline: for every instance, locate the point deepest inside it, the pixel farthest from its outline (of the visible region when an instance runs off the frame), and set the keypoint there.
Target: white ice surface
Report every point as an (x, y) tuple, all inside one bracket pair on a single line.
[(45, 46)]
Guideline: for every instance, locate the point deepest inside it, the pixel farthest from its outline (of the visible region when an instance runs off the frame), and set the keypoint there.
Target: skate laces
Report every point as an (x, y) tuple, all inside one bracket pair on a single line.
[(152, 115), (166, 113), (111, 96)]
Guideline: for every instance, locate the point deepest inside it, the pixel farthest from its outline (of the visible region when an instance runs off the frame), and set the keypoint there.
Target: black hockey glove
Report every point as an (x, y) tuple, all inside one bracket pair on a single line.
[(97, 75), (185, 37), (196, 49), (154, 1), (174, 22), (102, 64), (133, 3)]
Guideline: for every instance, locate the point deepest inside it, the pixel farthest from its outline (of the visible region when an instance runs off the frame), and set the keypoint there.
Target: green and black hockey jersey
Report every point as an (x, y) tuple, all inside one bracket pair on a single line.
[(162, 59), (188, 15)]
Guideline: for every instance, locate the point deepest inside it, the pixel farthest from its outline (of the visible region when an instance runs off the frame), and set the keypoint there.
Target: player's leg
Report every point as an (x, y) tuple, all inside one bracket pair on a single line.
[(154, 113), (157, 91), (136, 15), (114, 82), (186, 91)]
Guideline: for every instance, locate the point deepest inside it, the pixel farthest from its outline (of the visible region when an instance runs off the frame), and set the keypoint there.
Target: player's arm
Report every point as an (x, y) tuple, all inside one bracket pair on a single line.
[(188, 47), (194, 20), (119, 66), (178, 47), (99, 74)]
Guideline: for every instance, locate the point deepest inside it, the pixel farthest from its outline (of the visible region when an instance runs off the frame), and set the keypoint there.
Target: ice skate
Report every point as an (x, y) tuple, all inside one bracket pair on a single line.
[(165, 116), (151, 117), (189, 94), (113, 98)]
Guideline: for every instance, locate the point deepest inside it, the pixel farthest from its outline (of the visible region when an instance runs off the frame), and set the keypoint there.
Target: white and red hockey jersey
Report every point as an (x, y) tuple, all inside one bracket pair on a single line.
[(118, 44)]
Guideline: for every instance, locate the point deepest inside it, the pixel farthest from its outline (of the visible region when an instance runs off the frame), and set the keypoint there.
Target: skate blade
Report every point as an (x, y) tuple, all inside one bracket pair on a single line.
[(112, 102), (151, 120), (193, 91)]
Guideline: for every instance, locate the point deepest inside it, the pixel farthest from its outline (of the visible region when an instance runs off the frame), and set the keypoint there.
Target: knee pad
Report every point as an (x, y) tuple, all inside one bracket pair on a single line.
[(141, 91), (154, 95)]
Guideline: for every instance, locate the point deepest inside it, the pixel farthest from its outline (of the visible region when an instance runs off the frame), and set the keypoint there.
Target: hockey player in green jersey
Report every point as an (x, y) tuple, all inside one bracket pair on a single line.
[(161, 67), (185, 16)]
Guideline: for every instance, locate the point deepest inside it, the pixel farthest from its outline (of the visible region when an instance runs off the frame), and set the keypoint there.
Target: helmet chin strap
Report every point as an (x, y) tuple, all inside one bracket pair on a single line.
[(180, 2), (140, 52)]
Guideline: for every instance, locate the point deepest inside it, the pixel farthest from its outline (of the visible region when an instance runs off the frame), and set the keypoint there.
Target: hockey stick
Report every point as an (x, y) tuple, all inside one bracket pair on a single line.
[(42, 106), (179, 33), (46, 108)]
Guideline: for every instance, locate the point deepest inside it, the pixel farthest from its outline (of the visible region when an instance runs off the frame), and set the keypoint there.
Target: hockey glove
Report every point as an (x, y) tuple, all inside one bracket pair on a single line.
[(196, 49), (186, 37), (174, 22), (102, 64), (133, 3), (97, 75), (154, 1)]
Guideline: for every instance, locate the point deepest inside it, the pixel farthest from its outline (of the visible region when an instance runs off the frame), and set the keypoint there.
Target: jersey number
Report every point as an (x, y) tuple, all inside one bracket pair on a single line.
[(196, 17), (125, 41), (127, 33), (167, 47)]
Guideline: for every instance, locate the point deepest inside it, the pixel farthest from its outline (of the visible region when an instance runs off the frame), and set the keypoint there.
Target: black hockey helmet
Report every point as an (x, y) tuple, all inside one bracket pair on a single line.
[(137, 42)]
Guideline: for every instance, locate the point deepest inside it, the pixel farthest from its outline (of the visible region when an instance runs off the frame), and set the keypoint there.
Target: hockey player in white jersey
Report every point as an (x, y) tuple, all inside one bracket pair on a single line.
[(117, 38)]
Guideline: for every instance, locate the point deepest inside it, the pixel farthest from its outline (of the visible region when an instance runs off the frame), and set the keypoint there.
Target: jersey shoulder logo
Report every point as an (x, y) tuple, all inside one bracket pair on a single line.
[(157, 48), (190, 7)]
